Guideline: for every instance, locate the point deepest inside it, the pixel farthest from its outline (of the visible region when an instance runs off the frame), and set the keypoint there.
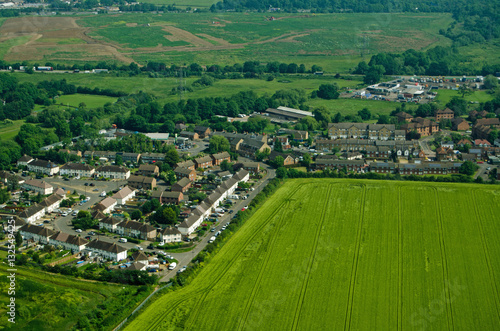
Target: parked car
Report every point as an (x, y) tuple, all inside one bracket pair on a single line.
[(78, 230), (92, 184), (86, 184)]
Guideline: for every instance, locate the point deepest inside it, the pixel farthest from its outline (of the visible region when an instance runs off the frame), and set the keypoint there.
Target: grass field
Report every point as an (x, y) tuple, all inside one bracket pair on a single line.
[(51, 302), (8, 130), (92, 101), (351, 255), (444, 96)]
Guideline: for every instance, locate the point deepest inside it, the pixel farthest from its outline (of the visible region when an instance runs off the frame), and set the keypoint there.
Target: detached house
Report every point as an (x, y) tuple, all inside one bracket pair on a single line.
[(113, 172), (38, 186), (140, 257), (110, 251), (170, 235), (77, 169), (136, 230), (43, 167), (185, 173), (124, 195), (36, 233)]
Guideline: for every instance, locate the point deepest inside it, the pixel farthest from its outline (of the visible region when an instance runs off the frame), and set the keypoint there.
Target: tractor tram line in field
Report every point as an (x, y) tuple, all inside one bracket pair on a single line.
[(486, 252), (400, 264), (352, 281), (312, 257), (227, 266), (444, 260)]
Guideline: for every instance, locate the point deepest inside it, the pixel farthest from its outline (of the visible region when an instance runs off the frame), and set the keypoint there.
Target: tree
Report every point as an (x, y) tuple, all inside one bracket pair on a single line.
[(490, 82), (172, 157), (278, 161), (468, 168), (306, 160), (167, 216), (281, 172), (374, 74), (226, 166), (118, 160), (278, 147), (171, 178), (18, 238), (218, 144), (464, 90), (136, 214), (365, 114), (328, 91)]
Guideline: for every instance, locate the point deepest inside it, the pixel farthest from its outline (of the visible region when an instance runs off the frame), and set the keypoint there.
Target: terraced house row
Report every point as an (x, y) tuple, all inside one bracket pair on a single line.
[(365, 131)]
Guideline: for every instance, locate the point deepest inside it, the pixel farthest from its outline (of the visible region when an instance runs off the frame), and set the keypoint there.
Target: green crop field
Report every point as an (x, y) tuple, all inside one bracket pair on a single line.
[(52, 302), (351, 255)]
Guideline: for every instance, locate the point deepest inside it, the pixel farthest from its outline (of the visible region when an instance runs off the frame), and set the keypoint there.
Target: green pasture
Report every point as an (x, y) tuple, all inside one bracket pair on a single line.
[(9, 129), (352, 255), (444, 96), (52, 302), (9, 43), (91, 101)]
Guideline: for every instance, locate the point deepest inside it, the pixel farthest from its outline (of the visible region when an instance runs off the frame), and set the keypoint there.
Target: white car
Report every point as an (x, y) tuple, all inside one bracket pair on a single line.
[(78, 230)]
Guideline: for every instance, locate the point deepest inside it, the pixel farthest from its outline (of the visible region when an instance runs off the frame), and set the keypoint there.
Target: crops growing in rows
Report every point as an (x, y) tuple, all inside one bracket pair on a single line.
[(350, 255)]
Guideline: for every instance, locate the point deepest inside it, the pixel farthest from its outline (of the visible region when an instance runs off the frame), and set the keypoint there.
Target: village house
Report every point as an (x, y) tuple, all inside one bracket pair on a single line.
[(180, 126), (185, 173), (124, 195), (152, 157), (109, 251), (219, 157), (190, 135), (109, 223), (189, 164), (151, 170), (460, 124), (378, 152), (141, 182), (352, 156), (43, 167), (354, 165), (383, 167), (484, 126), (445, 114), (463, 142), (106, 206), (182, 185), (18, 223), (51, 203), (136, 230), (68, 241), (38, 186), (251, 167), (404, 117), (24, 160), (298, 135), (288, 159), (423, 126), (36, 233), (113, 172), (108, 155), (166, 197), (97, 215), (130, 157), (444, 153), (249, 147), (170, 235), (77, 169), (202, 131), (203, 162), (481, 143), (32, 213), (285, 143), (429, 168), (364, 131), (140, 257)]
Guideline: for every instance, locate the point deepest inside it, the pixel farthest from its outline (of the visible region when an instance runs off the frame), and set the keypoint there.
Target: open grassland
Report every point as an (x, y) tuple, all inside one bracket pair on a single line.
[(337, 42), (91, 101), (51, 302), (351, 255), (444, 96), (9, 129)]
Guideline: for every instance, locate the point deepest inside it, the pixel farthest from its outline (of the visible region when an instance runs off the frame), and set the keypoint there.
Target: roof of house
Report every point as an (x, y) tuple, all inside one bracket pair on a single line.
[(184, 171), (153, 155), (141, 179), (148, 167), (445, 111), (183, 182), (50, 200), (25, 158), (222, 155), (106, 203), (170, 231), (203, 159), (110, 220), (112, 168), (106, 246), (404, 115), (38, 230), (42, 164), (482, 142), (200, 128), (136, 266), (69, 238), (224, 173), (134, 225), (123, 193), (185, 164), (38, 183), (488, 121), (30, 211), (139, 256), (77, 166), (188, 133), (97, 214)]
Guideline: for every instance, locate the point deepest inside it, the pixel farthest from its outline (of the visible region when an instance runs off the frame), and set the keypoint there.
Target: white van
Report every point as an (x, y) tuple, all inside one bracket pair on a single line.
[(172, 266), (233, 196), (212, 239), (122, 240)]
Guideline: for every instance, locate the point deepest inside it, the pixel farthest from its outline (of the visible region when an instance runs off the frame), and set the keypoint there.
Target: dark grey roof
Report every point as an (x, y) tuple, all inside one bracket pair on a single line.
[(39, 230), (105, 246)]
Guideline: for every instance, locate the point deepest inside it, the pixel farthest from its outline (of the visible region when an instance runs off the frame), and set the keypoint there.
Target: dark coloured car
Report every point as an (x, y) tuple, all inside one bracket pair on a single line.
[(92, 184), (86, 184)]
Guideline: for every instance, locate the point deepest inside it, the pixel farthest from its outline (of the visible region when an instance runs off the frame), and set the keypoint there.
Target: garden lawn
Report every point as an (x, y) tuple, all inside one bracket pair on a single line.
[(350, 254)]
